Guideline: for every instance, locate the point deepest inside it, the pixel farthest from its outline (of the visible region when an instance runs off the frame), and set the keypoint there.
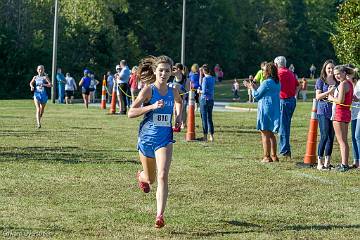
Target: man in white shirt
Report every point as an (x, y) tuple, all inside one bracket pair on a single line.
[(70, 86), (122, 80)]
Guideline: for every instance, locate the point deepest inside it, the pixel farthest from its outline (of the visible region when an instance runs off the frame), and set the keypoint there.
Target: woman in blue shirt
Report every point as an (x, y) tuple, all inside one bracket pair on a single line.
[(85, 87), (323, 88), (156, 102), (268, 116), (207, 103), (194, 77)]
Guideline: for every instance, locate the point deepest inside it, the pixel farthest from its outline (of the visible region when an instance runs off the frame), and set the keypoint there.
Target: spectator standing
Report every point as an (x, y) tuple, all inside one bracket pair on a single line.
[(289, 86), (123, 84), (250, 96), (268, 116), (341, 115), (259, 77), (194, 77), (133, 83), (93, 83), (235, 90), (110, 85), (355, 118), (303, 89), (325, 86), (181, 83), (207, 103), (70, 87), (216, 72), (312, 71), (220, 75), (61, 85)]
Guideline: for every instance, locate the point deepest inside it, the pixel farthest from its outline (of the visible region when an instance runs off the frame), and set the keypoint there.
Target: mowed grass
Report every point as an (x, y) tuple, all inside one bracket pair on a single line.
[(75, 179)]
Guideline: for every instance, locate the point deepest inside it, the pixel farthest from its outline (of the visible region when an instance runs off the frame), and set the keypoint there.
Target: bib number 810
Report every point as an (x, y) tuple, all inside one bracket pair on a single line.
[(162, 120)]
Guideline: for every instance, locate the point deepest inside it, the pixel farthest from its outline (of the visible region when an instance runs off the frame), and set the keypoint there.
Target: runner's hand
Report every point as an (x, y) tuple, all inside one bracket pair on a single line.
[(158, 104), (178, 121)]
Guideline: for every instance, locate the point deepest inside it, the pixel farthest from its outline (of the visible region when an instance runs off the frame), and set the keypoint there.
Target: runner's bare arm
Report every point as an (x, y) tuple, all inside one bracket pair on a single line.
[(137, 109), (48, 83), (32, 84)]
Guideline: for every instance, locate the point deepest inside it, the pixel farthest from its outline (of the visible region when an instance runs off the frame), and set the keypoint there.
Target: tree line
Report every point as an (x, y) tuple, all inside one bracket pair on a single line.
[(237, 34)]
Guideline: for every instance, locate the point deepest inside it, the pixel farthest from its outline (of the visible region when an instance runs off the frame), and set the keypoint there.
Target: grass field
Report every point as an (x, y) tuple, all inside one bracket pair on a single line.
[(75, 179)]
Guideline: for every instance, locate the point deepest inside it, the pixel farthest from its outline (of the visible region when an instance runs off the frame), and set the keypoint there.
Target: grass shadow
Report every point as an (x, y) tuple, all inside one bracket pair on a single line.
[(68, 154), (241, 223), (23, 232), (252, 131), (87, 128), (13, 133), (255, 228)]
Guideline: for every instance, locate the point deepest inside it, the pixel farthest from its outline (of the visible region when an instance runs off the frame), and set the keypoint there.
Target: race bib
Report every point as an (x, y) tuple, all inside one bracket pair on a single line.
[(162, 120), (39, 88)]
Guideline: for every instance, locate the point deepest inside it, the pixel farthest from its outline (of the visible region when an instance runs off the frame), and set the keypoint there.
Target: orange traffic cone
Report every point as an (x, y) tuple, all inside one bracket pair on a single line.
[(310, 155), (113, 100), (103, 94), (190, 133)]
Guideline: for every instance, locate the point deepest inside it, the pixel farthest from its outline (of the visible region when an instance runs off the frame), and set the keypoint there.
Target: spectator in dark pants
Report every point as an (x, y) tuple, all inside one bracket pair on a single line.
[(289, 85), (110, 84), (324, 86), (207, 103), (122, 79)]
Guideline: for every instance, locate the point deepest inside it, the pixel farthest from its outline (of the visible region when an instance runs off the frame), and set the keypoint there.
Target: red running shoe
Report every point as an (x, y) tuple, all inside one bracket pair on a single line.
[(159, 222), (145, 187)]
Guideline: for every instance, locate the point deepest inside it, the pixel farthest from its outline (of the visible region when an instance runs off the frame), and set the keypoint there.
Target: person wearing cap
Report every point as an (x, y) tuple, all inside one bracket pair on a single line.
[(85, 85), (122, 79), (61, 85), (289, 85)]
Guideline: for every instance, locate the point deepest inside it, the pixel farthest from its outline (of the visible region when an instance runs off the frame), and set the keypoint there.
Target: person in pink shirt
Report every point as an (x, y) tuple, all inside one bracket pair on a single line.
[(289, 86), (220, 75), (216, 71), (133, 83)]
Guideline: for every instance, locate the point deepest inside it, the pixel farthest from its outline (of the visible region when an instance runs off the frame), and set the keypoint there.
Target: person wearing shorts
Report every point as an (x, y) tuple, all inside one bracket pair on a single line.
[(85, 87), (37, 85), (341, 117), (70, 86), (156, 102)]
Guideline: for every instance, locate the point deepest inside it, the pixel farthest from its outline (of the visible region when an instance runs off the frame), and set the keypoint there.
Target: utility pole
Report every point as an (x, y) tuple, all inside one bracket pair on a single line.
[(183, 34), (54, 54)]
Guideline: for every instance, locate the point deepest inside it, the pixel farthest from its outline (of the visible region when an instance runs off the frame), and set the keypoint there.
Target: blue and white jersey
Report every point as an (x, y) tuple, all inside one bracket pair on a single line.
[(39, 84), (39, 93), (156, 127)]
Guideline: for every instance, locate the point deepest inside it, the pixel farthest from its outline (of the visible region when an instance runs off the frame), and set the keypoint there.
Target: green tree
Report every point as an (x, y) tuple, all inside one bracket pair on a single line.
[(347, 38)]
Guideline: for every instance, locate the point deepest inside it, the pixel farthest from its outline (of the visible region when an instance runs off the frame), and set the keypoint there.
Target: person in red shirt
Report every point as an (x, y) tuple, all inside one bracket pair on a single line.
[(289, 86), (133, 83)]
